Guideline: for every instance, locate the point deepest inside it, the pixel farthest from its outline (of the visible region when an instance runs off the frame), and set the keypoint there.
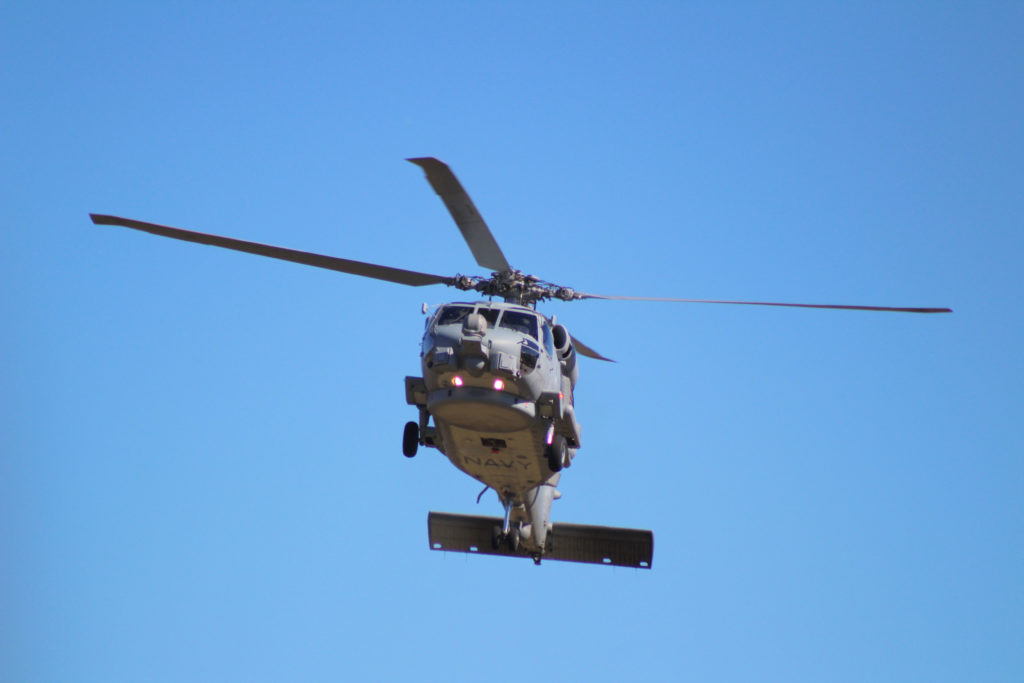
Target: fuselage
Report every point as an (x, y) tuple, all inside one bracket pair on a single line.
[(498, 381)]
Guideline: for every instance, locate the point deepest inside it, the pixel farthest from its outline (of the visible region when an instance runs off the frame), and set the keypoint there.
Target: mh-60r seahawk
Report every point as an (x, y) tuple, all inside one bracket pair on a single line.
[(497, 385)]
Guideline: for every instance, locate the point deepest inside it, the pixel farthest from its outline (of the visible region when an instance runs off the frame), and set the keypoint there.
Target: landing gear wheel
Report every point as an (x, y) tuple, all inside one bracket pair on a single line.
[(410, 439), (512, 540), (555, 453)]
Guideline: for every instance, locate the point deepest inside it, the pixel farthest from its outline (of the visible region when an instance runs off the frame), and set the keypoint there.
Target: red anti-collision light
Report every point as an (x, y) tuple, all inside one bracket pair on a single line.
[(456, 381), (499, 384)]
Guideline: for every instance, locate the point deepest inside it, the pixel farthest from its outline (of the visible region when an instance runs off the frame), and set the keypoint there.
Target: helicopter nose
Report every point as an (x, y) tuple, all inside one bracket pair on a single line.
[(475, 365), (474, 355)]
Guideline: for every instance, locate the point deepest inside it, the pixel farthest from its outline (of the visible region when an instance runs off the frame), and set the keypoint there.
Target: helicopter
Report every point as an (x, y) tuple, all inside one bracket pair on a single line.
[(495, 395)]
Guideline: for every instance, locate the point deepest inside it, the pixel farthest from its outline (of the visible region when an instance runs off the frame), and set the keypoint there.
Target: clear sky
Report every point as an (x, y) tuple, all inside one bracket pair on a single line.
[(201, 477)]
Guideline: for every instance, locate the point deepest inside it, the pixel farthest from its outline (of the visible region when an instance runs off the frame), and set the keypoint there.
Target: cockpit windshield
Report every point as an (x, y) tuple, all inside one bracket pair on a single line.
[(520, 322), (489, 314), (451, 315)]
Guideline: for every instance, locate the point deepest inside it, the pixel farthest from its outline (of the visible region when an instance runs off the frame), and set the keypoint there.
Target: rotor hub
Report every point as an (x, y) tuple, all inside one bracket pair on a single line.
[(515, 287)]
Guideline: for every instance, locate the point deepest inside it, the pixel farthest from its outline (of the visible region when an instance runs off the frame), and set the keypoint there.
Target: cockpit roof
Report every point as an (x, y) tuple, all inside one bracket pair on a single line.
[(492, 304), (498, 306)]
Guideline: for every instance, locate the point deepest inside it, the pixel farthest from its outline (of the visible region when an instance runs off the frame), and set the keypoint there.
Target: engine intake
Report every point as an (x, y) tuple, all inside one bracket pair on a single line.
[(565, 352)]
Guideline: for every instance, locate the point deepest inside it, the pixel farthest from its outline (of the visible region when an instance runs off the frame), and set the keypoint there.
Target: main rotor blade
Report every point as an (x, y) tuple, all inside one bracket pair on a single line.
[(585, 350), (844, 307), (403, 277), (474, 230)]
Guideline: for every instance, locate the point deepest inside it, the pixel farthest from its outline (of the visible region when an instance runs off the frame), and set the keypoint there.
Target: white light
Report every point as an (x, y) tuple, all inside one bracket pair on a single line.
[(456, 381), (499, 384)]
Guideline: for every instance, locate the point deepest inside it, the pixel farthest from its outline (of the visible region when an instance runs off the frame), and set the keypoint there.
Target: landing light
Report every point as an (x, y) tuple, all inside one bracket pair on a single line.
[(499, 384), (456, 381)]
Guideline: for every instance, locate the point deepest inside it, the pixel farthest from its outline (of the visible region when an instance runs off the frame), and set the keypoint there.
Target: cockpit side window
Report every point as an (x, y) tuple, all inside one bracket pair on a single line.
[(450, 315), (549, 340), (520, 322)]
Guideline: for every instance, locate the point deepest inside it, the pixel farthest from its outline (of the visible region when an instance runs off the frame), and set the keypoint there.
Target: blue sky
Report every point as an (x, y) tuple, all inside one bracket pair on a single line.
[(201, 476)]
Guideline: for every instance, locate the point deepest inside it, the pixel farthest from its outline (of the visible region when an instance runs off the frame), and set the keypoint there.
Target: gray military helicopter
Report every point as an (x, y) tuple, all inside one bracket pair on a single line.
[(496, 392)]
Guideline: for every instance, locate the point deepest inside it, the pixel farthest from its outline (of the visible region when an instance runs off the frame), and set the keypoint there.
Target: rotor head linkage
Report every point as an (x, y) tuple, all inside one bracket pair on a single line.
[(515, 287)]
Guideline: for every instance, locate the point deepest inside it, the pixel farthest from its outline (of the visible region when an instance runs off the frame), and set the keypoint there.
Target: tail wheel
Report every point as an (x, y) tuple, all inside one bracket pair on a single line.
[(555, 453), (410, 439), (512, 540)]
